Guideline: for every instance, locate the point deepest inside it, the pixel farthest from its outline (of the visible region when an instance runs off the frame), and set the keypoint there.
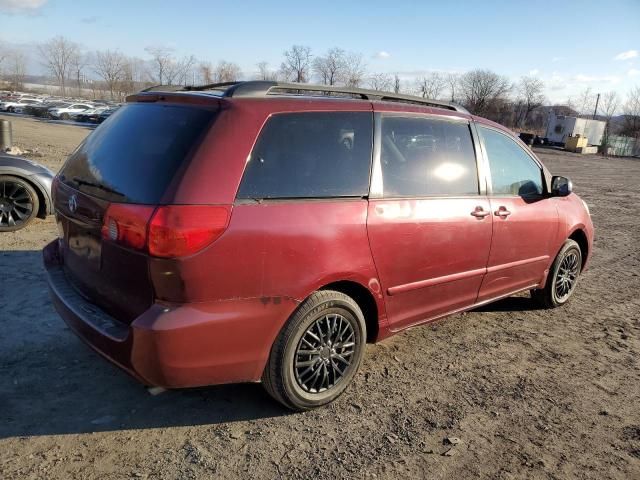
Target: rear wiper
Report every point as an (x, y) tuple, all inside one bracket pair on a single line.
[(80, 181)]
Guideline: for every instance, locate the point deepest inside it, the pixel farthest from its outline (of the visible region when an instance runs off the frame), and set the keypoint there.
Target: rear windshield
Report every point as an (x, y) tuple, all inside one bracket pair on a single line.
[(133, 156)]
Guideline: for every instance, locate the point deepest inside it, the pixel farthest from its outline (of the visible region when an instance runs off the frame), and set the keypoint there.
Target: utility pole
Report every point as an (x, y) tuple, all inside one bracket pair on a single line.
[(596, 109)]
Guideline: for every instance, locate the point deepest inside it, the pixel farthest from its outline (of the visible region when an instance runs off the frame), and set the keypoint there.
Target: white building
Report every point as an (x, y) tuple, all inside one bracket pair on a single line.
[(559, 127)]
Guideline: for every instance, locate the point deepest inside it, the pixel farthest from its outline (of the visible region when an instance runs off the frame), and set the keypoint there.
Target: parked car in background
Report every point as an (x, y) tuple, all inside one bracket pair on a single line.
[(12, 105), (65, 112), (106, 114), (259, 231), (41, 110), (25, 192), (91, 116)]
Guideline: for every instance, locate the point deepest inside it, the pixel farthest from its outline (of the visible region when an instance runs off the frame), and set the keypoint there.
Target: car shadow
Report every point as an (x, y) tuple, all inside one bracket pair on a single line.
[(510, 304), (54, 384)]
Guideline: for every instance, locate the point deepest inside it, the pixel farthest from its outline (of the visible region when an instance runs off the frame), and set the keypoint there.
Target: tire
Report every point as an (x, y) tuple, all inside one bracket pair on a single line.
[(567, 265), (10, 109), (19, 203), (65, 116), (305, 370)]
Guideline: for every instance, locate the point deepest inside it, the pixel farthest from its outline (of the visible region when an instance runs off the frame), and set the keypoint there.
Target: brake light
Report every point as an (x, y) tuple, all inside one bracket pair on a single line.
[(180, 230), (127, 224)]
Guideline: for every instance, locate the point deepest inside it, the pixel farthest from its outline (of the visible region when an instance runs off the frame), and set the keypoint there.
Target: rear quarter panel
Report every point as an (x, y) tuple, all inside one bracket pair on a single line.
[(272, 256)]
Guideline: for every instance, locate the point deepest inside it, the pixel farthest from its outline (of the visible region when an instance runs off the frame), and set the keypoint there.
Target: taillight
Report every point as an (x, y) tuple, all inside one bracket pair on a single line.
[(180, 230), (127, 224)]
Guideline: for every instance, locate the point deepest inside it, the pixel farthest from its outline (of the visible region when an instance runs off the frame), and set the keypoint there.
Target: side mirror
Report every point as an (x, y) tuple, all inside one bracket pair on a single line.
[(561, 186)]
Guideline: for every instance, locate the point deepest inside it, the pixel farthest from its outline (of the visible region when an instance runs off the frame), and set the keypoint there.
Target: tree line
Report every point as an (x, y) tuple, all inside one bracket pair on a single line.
[(113, 74)]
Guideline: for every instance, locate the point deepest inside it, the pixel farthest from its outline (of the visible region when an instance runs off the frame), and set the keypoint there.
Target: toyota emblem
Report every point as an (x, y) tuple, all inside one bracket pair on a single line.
[(73, 203)]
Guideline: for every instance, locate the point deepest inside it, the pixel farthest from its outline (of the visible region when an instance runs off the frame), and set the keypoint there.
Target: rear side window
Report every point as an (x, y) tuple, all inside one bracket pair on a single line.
[(133, 156), (513, 171), (310, 155), (426, 156)]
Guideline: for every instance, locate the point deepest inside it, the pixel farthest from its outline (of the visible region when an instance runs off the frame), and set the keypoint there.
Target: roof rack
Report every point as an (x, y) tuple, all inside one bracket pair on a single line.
[(262, 88)]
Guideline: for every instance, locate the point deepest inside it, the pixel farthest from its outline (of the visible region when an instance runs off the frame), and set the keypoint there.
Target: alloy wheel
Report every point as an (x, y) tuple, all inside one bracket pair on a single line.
[(567, 276), (324, 353), (16, 204)]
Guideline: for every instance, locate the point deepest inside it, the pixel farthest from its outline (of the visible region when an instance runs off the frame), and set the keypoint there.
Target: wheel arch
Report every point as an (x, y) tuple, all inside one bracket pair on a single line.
[(580, 237), (44, 207), (365, 300)]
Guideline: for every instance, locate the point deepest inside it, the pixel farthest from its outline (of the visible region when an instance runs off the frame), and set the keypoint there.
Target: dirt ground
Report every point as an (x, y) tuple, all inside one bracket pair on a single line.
[(530, 393)]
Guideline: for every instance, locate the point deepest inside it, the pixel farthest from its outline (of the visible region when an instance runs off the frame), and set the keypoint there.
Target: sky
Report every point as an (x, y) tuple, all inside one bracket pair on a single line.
[(570, 45)]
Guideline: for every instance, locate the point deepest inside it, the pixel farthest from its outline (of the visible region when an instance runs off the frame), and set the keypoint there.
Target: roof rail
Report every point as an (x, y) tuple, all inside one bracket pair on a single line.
[(261, 88)]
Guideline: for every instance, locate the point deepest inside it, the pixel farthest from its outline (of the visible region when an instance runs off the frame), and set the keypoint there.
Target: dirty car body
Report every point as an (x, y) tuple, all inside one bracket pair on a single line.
[(186, 255)]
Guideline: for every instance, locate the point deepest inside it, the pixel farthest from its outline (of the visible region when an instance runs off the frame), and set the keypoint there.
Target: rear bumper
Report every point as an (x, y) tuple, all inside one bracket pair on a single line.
[(175, 346)]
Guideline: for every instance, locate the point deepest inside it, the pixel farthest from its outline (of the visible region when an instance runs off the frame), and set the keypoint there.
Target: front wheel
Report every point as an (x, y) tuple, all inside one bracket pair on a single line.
[(563, 277), (317, 353)]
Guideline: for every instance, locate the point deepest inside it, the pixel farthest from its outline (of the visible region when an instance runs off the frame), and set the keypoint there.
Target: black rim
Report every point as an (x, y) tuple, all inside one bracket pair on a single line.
[(567, 275), (325, 353), (16, 205)]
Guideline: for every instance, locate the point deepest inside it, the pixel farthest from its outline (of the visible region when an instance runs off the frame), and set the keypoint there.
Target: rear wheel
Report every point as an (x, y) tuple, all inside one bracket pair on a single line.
[(18, 203), (563, 277), (317, 353)]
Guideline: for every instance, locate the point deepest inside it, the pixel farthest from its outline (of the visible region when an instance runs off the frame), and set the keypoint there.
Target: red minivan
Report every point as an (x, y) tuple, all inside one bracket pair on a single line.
[(259, 231)]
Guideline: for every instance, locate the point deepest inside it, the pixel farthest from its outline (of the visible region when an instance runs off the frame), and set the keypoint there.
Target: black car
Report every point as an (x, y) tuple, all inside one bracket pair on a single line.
[(106, 114), (42, 110)]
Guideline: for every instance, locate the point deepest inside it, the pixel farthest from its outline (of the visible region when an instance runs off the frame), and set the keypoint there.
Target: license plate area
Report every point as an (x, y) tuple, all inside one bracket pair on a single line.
[(82, 244)]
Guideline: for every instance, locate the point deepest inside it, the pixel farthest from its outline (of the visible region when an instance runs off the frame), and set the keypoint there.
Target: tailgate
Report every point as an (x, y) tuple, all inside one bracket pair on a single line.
[(114, 278)]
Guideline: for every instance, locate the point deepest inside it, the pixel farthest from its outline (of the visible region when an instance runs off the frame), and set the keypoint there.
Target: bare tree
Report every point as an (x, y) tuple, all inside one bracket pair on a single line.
[(530, 97), (206, 73), (631, 125), (226, 72), (331, 68), (56, 55), (586, 102), (265, 73), (453, 80), (481, 90), (161, 60), (297, 63), (381, 81), (609, 104), (356, 69), (178, 72), (431, 86), (133, 76), (77, 64), (17, 68), (139, 70), (127, 84), (110, 66)]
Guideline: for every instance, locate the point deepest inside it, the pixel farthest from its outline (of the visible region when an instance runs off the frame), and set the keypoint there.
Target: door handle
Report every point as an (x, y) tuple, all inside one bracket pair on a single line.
[(479, 212), (502, 212)]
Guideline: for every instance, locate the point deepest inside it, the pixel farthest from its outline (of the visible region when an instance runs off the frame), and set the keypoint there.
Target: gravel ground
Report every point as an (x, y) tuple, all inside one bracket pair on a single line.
[(528, 393)]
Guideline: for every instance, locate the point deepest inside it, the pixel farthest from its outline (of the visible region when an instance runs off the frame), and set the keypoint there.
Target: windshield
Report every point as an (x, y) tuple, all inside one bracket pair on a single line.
[(134, 155)]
